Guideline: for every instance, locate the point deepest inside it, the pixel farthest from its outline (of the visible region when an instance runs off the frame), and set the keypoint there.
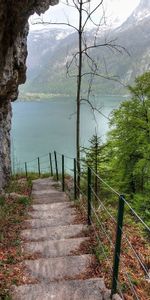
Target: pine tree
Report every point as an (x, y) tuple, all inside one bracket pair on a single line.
[(93, 157)]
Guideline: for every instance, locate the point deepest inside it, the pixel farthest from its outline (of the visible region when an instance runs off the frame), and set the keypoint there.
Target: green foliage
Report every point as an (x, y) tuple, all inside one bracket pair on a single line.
[(124, 161), (130, 138), (101, 252), (142, 87), (24, 200), (6, 297), (141, 204), (92, 154), (2, 201), (95, 156)]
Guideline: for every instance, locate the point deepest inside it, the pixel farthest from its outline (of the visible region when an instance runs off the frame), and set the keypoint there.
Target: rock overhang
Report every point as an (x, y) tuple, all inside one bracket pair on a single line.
[(14, 15)]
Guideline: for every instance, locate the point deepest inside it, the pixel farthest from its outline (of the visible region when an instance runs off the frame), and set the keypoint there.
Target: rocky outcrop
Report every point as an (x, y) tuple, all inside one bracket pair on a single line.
[(5, 126), (14, 16)]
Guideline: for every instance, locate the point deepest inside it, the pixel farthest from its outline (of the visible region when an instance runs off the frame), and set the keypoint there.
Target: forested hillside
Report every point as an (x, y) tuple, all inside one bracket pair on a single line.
[(124, 160)]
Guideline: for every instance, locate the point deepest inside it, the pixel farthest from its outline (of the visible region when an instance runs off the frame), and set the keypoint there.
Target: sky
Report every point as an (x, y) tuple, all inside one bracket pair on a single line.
[(116, 12)]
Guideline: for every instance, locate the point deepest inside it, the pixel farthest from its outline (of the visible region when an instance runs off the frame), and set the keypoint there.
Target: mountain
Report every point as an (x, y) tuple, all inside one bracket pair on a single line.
[(141, 13), (50, 49), (42, 45)]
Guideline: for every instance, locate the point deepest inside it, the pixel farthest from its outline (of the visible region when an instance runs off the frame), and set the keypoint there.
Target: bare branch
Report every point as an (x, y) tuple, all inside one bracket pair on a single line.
[(108, 77), (94, 64), (110, 45), (74, 5), (95, 109), (73, 58), (56, 23), (89, 18), (91, 13)]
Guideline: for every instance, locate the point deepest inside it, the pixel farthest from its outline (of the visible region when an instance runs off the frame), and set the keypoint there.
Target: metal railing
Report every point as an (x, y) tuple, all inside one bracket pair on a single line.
[(61, 166)]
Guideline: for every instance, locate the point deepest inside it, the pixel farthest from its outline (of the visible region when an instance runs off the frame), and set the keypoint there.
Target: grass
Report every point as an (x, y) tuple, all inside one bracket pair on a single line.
[(104, 232), (13, 210)]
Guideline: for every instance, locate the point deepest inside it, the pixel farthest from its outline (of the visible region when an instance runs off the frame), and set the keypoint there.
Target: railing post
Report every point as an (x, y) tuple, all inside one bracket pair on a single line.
[(117, 245), (89, 195), (63, 174), (50, 162), (56, 166), (26, 170), (39, 170), (75, 179)]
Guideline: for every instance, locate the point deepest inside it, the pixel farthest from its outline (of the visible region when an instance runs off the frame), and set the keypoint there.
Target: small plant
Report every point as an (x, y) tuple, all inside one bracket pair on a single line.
[(2, 200), (24, 200), (16, 242), (11, 260), (6, 297), (124, 287)]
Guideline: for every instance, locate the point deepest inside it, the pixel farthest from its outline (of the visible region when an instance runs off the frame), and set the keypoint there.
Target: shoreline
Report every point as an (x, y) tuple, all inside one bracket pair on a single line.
[(40, 97)]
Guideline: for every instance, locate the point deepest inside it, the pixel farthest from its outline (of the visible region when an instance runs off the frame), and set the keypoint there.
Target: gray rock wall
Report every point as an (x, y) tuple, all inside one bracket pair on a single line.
[(14, 16), (5, 126)]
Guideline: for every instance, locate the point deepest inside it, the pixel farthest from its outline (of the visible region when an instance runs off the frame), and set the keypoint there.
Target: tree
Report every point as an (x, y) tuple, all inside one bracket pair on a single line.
[(83, 53), (130, 139), (94, 158)]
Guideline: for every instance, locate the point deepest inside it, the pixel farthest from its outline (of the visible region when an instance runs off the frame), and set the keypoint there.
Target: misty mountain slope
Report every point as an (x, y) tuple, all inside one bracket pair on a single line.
[(41, 47), (51, 49)]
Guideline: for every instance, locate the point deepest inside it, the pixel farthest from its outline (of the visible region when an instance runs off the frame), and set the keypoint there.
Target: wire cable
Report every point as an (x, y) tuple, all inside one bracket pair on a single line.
[(112, 189), (135, 253), (101, 203), (134, 212), (100, 223)]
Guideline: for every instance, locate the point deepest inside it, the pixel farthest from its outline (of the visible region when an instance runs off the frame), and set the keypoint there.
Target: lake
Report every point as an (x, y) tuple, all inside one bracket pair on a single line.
[(40, 127)]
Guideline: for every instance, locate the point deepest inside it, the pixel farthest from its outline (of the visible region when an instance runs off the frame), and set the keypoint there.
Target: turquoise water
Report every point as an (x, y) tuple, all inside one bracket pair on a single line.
[(42, 127)]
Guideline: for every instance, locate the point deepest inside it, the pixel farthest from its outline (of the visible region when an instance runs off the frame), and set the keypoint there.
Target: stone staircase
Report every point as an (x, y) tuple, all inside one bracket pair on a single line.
[(53, 234)]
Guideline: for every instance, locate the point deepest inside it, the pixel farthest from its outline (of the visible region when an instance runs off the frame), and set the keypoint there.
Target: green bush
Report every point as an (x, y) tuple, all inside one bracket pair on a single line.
[(141, 204)]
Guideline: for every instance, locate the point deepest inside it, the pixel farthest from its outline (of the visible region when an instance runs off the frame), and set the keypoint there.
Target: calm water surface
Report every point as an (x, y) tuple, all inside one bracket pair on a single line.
[(41, 127)]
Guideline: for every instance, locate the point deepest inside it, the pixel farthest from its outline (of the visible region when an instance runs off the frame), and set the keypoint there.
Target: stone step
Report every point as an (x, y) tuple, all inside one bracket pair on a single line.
[(90, 289), (53, 214), (53, 233), (58, 268), (41, 187), (51, 221), (50, 206), (56, 248), (44, 181), (49, 192), (57, 274), (53, 198), (46, 185)]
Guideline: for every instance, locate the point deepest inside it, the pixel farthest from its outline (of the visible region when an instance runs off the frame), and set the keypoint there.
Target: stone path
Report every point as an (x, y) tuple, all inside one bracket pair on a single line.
[(53, 234)]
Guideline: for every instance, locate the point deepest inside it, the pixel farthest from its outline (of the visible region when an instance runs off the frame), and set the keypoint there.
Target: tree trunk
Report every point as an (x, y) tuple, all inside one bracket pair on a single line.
[(96, 168), (79, 78)]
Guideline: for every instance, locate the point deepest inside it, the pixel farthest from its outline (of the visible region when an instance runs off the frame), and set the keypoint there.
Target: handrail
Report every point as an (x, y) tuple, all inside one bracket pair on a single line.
[(137, 216), (127, 203), (56, 164), (101, 179), (112, 189)]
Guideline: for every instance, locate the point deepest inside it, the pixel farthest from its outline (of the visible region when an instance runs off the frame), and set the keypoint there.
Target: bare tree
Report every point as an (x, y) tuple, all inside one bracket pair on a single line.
[(86, 12)]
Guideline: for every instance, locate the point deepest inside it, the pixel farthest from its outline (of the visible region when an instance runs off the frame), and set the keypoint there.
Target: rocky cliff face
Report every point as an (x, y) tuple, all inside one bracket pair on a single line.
[(14, 16)]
